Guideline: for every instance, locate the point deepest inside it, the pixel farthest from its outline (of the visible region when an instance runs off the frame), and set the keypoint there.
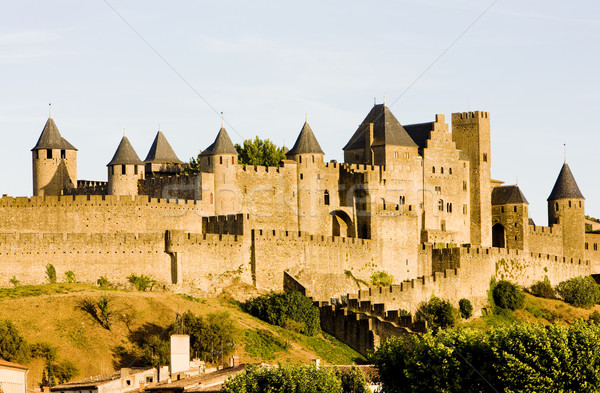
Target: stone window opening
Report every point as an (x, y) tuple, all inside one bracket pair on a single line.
[(484, 157), (63, 154), (464, 185), (301, 176), (36, 154), (586, 245), (312, 159), (502, 209), (135, 169), (232, 162), (112, 170), (449, 171), (208, 160), (49, 153), (442, 170), (515, 209), (395, 154), (449, 207), (300, 159), (433, 170), (123, 169), (595, 247), (402, 200), (326, 197), (579, 203), (406, 155), (220, 160), (464, 209), (441, 205), (569, 203), (556, 206)]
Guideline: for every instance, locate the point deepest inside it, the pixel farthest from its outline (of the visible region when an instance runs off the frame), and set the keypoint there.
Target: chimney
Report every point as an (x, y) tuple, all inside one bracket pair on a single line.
[(234, 361), (180, 353)]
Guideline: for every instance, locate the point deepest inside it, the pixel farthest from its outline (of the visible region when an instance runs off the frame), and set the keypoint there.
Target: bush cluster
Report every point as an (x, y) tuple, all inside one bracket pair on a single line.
[(142, 282), (511, 358), (543, 289), (382, 279), (579, 291), (508, 295), (280, 308), (438, 313), (466, 308)]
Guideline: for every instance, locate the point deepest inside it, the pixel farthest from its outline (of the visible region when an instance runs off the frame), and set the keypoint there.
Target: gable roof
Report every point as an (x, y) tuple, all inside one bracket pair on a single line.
[(6, 363), (503, 195), (306, 143), (565, 186), (221, 145), (125, 154), (161, 151), (387, 130), (51, 138), (420, 133)]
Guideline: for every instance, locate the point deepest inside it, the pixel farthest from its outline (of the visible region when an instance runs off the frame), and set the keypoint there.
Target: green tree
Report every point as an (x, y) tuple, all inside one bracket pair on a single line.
[(193, 165), (508, 295), (437, 312), (44, 350), (51, 273), (142, 282), (101, 310), (278, 308), (259, 152), (70, 276), (284, 379), (13, 346), (543, 289), (64, 370), (580, 291), (353, 381)]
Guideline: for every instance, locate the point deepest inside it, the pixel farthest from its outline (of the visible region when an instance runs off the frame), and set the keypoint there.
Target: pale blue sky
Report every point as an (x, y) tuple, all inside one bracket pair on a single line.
[(533, 65)]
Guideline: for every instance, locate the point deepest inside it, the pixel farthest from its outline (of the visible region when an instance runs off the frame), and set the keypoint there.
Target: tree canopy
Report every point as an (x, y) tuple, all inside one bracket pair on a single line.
[(259, 152)]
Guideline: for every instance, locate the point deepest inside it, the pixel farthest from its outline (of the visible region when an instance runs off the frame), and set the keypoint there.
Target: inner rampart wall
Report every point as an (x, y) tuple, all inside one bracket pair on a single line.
[(98, 214)]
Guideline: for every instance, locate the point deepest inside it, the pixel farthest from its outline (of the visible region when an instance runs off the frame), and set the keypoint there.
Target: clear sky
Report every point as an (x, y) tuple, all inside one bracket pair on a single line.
[(532, 64)]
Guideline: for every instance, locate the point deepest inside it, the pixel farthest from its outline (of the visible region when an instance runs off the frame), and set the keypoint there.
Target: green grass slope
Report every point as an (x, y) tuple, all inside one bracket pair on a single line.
[(50, 313)]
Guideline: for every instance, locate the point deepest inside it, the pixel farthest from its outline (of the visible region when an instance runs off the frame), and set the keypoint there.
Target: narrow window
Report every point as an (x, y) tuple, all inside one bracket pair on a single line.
[(515, 238), (63, 154), (49, 153), (586, 245), (484, 157), (441, 205), (450, 171), (313, 159), (595, 247), (326, 197), (406, 155), (135, 169), (402, 200), (569, 203), (301, 176), (464, 209), (502, 209), (112, 170), (442, 170), (123, 169), (300, 159), (556, 206), (36, 154), (220, 160), (515, 209), (232, 160), (579, 203), (208, 160), (464, 185), (433, 170)]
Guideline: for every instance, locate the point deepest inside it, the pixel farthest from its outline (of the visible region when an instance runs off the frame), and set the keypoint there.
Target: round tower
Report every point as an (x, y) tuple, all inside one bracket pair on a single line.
[(221, 158), (309, 158), (124, 170), (54, 162), (566, 208)]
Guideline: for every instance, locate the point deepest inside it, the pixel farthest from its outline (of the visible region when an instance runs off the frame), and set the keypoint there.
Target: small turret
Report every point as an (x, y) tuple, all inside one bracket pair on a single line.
[(54, 163), (221, 159), (161, 158), (306, 150), (124, 170), (566, 207)]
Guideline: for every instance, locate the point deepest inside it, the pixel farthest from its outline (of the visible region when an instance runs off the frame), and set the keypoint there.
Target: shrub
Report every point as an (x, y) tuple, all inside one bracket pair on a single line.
[(142, 282), (507, 295), (100, 310), (104, 283), (278, 308), (284, 379), (70, 276), (14, 281), (51, 273), (437, 312), (44, 350), (382, 279), (580, 291), (466, 308), (353, 381), (13, 346), (594, 317), (543, 289)]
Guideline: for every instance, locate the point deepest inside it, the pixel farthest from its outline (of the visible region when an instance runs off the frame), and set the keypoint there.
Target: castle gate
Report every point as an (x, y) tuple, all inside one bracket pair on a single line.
[(342, 224)]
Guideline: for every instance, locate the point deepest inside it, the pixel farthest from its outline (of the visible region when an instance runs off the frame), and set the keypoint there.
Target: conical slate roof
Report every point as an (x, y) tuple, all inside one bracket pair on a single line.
[(565, 186), (306, 143), (508, 195), (387, 130), (161, 152), (125, 154), (51, 138), (221, 145)]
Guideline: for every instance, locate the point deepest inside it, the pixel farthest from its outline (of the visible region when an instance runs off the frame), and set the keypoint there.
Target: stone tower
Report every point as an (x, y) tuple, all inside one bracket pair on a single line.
[(566, 207), (124, 170), (471, 133), (309, 158), (221, 158), (161, 158), (54, 163), (510, 218)]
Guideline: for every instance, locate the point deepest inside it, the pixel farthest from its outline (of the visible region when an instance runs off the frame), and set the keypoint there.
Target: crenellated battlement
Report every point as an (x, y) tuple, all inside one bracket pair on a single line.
[(462, 116), (226, 225), (94, 200), (298, 236)]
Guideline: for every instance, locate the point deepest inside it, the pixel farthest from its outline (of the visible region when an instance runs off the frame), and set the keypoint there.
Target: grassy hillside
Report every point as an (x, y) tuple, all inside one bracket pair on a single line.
[(49, 313)]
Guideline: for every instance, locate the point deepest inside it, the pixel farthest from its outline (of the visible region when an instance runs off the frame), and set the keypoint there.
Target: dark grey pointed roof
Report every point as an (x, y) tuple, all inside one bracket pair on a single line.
[(125, 154), (306, 143), (221, 145), (51, 138), (161, 151), (387, 130), (565, 186), (508, 195)]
